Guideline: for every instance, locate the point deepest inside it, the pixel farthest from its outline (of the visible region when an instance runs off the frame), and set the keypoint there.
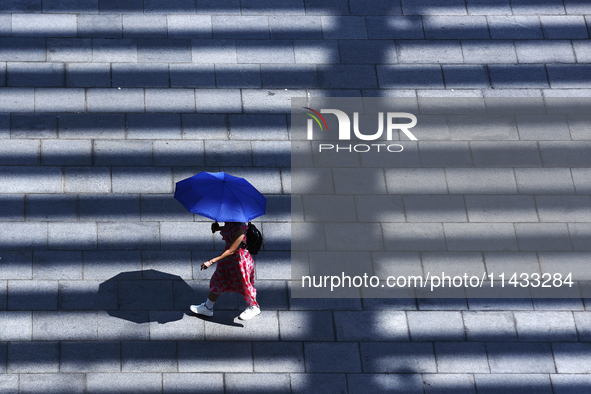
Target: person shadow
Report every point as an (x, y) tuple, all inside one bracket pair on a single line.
[(153, 296)]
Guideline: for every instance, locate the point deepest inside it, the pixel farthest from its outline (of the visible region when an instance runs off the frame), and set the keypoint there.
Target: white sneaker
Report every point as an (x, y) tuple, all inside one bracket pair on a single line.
[(249, 313), (202, 310)]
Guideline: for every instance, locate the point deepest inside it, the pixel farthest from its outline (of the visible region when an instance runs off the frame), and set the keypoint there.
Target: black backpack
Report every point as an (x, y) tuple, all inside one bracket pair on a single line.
[(254, 239)]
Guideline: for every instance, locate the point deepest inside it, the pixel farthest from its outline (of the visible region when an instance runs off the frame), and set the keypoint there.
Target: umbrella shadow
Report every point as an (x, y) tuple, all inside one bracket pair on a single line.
[(152, 296)]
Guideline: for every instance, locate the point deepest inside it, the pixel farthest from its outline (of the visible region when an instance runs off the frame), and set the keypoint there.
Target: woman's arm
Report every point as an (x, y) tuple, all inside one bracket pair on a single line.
[(228, 252)]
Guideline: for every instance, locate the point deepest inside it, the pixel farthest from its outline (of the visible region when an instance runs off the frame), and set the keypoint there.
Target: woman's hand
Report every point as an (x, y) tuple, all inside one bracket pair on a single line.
[(206, 265), (228, 252), (215, 227)]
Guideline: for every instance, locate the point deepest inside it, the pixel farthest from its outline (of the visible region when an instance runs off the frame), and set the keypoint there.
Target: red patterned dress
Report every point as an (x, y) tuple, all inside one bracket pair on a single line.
[(235, 273)]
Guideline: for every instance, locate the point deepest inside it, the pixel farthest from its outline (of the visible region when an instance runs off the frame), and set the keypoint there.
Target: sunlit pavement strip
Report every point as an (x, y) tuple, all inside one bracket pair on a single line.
[(104, 105)]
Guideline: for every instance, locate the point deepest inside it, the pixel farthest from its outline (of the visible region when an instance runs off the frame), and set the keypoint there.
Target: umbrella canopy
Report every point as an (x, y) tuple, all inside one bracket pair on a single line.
[(221, 197)]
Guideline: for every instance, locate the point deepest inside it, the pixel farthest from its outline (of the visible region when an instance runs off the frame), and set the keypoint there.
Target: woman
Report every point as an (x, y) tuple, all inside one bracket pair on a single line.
[(234, 272)]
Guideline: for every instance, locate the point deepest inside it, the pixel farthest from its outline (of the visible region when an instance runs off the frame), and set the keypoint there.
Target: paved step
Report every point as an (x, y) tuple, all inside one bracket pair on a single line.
[(279, 323)]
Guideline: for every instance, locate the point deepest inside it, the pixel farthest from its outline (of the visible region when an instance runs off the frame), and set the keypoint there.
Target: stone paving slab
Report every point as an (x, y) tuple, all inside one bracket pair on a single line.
[(63, 382), (501, 361), (392, 357), (496, 382), (97, 382), (90, 357)]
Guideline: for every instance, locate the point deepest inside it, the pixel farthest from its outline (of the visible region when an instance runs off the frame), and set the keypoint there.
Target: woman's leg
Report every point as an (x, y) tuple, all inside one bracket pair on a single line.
[(207, 307), (250, 294), (251, 298), (213, 297), (253, 307), (251, 302)]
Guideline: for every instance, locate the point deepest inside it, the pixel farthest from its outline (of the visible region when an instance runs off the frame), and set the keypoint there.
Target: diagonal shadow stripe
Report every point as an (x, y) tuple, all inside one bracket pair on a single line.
[(303, 28), (295, 76), (287, 7), (133, 207), (137, 154)]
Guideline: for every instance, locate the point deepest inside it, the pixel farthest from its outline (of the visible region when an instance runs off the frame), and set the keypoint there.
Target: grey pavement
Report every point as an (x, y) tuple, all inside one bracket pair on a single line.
[(105, 104)]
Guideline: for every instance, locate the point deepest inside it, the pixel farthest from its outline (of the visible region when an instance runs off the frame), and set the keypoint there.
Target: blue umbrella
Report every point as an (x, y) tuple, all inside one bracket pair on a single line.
[(221, 197)]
